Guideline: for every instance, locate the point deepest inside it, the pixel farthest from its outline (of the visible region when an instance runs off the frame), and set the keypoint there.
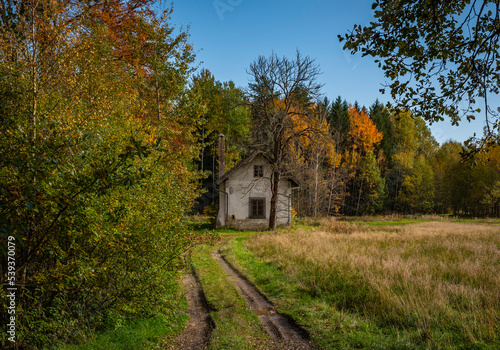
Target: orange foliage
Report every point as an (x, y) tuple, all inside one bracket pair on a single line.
[(312, 135), (125, 25), (363, 133)]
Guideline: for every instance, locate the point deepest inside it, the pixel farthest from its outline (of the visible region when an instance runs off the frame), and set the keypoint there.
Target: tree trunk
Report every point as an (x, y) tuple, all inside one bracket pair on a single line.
[(275, 184), (33, 67), (316, 170), (359, 197), (330, 194), (157, 88)]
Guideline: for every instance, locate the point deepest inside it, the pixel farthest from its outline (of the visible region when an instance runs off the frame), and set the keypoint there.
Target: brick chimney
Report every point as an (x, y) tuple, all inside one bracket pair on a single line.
[(222, 155)]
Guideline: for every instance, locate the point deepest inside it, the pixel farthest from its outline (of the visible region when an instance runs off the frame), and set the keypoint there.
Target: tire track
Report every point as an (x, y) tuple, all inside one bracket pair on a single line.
[(197, 333), (280, 328)]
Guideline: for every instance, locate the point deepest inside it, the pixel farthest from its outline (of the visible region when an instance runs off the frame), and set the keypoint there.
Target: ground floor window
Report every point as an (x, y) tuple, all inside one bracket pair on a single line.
[(257, 208)]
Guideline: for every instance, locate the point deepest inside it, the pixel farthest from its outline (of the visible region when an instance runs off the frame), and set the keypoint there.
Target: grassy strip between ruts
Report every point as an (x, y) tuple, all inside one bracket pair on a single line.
[(235, 326), (348, 326)]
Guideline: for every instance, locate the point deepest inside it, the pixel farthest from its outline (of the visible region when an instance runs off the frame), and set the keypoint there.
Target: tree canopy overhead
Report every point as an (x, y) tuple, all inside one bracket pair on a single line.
[(441, 56)]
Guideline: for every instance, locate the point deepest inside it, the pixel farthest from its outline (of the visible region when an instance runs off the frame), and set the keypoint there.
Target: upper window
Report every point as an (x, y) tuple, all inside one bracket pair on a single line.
[(258, 171)]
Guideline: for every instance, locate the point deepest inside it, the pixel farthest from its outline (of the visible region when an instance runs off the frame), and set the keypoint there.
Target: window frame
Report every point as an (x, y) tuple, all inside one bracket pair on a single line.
[(258, 171), (251, 213)]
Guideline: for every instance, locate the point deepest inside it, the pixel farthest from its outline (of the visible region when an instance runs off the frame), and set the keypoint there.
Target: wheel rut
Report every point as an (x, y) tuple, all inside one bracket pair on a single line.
[(197, 332), (282, 329)]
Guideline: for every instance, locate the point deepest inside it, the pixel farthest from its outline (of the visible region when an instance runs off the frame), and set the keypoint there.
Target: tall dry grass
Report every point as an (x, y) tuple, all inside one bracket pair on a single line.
[(441, 279)]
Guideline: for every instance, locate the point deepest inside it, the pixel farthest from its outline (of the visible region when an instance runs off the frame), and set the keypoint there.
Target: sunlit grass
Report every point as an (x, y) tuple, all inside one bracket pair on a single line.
[(437, 280), (236, 327)]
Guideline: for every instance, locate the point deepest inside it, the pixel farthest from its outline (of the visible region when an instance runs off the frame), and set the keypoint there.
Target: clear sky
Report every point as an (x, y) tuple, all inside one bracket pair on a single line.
[(229, 34)]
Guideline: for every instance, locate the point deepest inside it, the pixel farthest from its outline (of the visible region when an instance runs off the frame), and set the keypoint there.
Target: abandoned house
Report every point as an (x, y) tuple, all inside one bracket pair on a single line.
[(245, 192)]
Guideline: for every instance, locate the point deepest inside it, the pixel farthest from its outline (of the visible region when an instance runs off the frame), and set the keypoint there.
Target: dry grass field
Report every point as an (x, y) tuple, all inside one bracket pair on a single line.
[(441, 279)]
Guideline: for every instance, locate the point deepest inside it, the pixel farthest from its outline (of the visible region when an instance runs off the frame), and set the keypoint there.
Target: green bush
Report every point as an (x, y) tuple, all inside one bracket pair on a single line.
[(211, 211), (94, 187)]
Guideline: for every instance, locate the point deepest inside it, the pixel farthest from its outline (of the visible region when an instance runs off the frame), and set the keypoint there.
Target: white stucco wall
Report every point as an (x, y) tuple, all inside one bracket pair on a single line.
[(241, 186)]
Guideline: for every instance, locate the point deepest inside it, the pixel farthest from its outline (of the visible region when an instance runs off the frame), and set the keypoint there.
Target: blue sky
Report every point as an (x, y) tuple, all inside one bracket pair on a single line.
[(229, 34)]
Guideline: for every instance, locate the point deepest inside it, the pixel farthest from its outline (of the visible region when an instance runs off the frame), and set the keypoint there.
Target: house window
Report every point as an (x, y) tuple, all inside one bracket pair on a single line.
[(258, 171), (257, 208)]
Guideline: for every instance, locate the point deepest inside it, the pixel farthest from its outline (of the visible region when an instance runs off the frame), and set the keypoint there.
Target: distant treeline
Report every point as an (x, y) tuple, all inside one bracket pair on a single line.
[(358, 160)]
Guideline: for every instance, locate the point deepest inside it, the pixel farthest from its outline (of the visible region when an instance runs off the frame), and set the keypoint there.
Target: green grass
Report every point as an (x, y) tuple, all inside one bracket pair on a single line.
[(235, 326), (137, 333), (393, 220), (401, 222), (310, 224), (339, 307), (400, 219), (482, 221), (328, 327)]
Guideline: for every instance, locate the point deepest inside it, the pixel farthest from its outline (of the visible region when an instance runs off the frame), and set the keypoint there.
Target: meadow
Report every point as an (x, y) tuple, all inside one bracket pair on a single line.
[(356, 283), (382, 284)]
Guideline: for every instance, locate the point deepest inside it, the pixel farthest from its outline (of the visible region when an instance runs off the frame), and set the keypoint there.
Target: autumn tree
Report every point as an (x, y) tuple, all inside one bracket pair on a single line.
[(315, 162), (280, 88), (92, 190), (413, 148), (162, 58), (471, 189), (446, 157), (363, 133), (441, 56), (363, 137), (417, 189), (381, 117), (368, 190)]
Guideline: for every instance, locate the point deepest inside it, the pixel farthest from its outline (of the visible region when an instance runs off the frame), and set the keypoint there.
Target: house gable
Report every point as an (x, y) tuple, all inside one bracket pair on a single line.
[(264, 161), (245, 194)]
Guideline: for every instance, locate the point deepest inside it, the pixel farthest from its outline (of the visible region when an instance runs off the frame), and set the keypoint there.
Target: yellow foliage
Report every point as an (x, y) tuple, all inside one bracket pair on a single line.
[(312, 135)]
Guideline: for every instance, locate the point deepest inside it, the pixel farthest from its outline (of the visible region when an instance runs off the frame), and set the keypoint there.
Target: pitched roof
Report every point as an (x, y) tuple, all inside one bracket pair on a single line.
[(247, 160)]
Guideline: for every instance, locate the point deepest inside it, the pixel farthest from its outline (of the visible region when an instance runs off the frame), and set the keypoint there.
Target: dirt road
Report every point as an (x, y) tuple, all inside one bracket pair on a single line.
[(284, 332), (199, 328)]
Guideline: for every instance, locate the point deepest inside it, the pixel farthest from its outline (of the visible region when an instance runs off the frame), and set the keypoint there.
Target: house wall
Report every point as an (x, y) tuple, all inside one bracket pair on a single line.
[(241, 186)]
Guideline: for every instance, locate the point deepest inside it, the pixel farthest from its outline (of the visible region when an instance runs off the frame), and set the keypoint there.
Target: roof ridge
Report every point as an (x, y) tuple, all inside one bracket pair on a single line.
[(247, 160)]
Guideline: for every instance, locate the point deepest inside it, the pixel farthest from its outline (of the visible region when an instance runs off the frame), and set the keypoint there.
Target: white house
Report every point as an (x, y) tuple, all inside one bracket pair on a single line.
[(245, 193)]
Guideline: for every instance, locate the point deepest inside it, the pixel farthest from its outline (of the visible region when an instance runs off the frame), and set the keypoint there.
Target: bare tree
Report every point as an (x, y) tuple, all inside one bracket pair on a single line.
[(280, 89)]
